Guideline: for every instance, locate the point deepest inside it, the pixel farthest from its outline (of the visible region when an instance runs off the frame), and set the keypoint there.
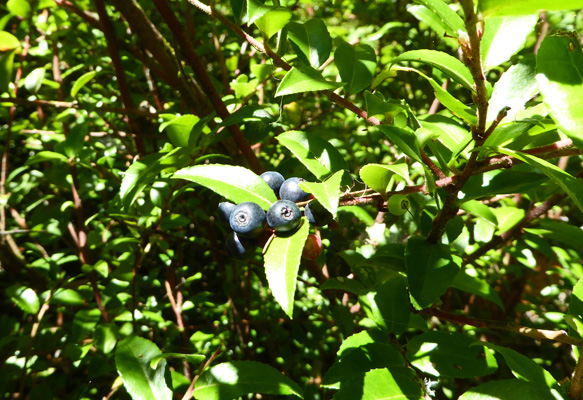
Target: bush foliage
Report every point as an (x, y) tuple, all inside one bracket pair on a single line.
[(125, 123)]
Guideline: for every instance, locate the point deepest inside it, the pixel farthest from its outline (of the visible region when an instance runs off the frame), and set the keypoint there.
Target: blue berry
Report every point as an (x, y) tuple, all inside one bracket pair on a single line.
[(237, 246), (283, 216), (248, 220), (290, 190), (273, 180), (317, 214), (225, 210)]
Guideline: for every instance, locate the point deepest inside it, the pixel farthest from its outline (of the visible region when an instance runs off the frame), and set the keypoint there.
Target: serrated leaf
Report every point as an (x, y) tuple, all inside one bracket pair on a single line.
[(311, 41), (194, 359), (378, 176), (514, 89), (376, 104), (389, 306), (282, 262), (450, 102), (255, 10), (274, 21), (356, 65), (327, 192), (381, 384), (82, 81), (427, 16), (404, 139), (571, 185), (431, 268), (504, 37), (559, 64), (25, 298), (319, 156), (235, 183), (473, 285), (304, 79), (453, 355), (450, 19), (449, 65), (523, 7), (234, 379), (132, 359)]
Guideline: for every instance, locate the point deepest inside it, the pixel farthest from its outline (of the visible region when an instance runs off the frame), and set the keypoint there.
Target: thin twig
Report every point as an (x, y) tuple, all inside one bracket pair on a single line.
[(190, 391)]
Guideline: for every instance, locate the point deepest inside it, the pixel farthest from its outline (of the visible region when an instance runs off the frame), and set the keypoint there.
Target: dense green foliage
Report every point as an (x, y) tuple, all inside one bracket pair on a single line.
[(124, 123)]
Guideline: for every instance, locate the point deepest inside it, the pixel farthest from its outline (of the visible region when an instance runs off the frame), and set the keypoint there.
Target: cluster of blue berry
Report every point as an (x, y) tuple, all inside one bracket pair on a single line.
[(248, 220)]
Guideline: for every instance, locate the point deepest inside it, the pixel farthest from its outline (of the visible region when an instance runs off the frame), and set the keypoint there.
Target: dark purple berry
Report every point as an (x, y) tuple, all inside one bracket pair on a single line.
[(273, 180), (225, 210), (236, 246), (317, 214), (248, 220), (290, 190), (283, 216)]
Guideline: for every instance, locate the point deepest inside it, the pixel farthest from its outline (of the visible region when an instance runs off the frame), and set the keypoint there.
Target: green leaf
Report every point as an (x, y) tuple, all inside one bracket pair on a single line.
[(76, 139), (143, 172), (576, 306), (473, 285), (67, 297), (255, 10), (523, 7), (183, 131), (427, 16), (194, 359), (449, 18), (43, 156), (507, 389), (19, 7), (282, 262), (448, 131), (389, 306), (274, 21), (450, 102), (504, 37), (501, 182), (304, 79), (237, 184), (82, 81), (132, 359), (6, 68), (559, 64), (234, 379), (571, 185), (378, 176), (356, 65), (451, 355), (311, 41), (327, 192), (381, 384), (25, 298), (514, 89), (523, 367), (376, 104), (84, 323), (347, 285), (431, 268), (558, 231), (449, 65), (8, 42), (319, 156), (34, 80), (404, 139)]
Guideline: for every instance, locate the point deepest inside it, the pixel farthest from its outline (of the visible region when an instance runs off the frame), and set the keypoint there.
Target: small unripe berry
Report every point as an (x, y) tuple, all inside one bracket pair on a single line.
[(284, 216), (398, 204), (312, 248), (248, 220)]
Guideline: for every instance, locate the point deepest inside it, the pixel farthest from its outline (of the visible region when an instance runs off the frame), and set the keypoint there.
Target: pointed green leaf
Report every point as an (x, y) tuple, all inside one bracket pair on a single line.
[(255, 10), (234, 379), (431, 268), (404, 139), (82, 81), (356, 65), (132, 359), (194, 359), (43, 156), (504, 37), (327, 192), (427, 16), (523, 7), (449, 65), (21, 8), (381, 384), (282, 262), (304, 79), (34, 80), (376, 104), (311, 41), (274, 21), (378, 176), (237, 184), (507, 389), (183, 131), (450, 19), (514, 89), (473, 285), (451, 355), (25, 298), (389, 306), (8, 42), (320, 157), (571, 185), (6, 68), (559, 64)]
